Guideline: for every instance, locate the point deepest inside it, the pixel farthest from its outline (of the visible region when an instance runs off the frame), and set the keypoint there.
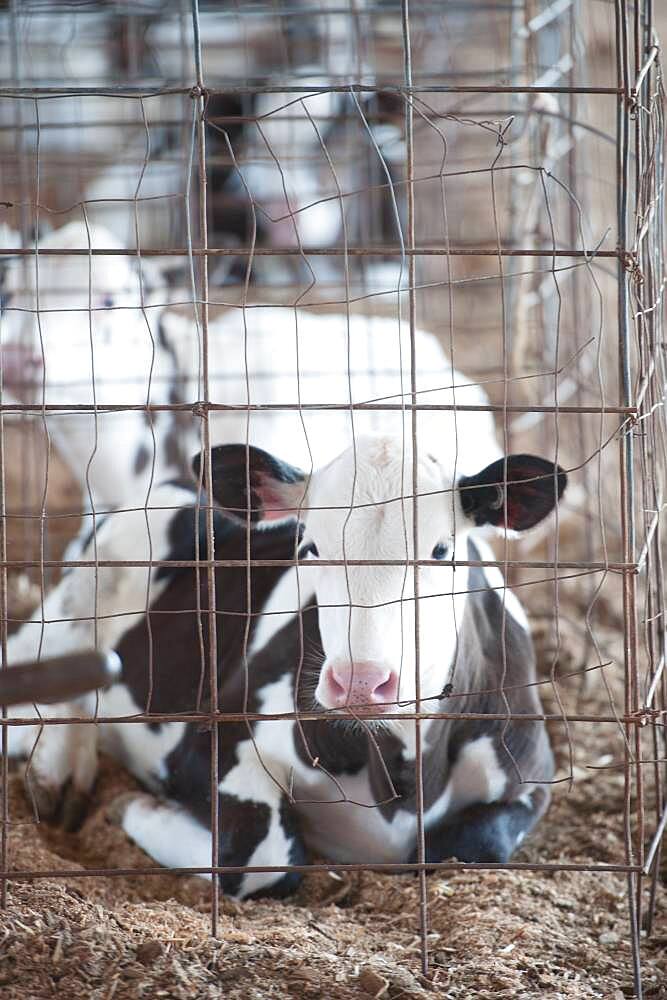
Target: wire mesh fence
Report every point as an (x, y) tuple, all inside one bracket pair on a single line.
[(295, 230)]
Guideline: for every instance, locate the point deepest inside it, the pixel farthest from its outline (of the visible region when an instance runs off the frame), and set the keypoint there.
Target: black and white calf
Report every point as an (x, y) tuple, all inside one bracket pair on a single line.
[(82, 330), (87, 331), (337, 637)]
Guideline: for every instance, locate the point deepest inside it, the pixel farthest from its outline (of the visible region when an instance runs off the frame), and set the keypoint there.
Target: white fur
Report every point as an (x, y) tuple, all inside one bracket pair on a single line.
[(169, 834), (496, 581), (157, 186), (356, 830), (367, 613), (96, 606), (293, 591), (93, 354), (141, 750), (352, 830), (476, 777), (79, 615), (297, 355), (262, 778), (292, 191), (59, 753), (346, 826)]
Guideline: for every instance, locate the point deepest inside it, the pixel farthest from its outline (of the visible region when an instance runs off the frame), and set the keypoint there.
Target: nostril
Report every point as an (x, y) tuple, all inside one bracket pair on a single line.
[(338, 689), (387, 691)]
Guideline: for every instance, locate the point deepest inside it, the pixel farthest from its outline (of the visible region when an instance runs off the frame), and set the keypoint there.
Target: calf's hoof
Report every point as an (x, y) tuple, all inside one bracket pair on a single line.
[(53, 802), (44, 797), (75, 806)]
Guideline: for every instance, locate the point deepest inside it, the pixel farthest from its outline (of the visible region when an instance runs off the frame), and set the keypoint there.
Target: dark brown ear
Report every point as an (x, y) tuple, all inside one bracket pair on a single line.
[(517, 492), (276, 488)]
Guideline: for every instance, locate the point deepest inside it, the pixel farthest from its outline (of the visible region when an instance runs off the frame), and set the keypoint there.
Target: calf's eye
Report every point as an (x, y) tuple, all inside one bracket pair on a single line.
[(440, 551)]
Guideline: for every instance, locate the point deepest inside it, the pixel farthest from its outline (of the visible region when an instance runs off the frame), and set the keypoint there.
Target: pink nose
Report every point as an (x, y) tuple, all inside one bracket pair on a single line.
[(354, 684)]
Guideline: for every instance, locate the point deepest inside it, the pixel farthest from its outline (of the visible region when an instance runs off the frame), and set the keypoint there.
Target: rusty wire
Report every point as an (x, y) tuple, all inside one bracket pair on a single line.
[(642, 379)]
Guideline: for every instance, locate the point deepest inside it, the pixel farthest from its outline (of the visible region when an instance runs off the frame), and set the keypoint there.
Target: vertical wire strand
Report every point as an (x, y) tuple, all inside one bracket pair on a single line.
[(20, 139), (148, 411), (640, 331), (23, 162), (47, 435), (192, 279), (4, 764), (651, 101), (412, 305), (626, 456), (576, 298), (199, 97)]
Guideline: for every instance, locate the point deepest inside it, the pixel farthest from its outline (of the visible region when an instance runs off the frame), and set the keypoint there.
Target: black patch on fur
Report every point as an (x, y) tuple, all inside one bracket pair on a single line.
[(88, 537), (232, 465), (180, 675), (186, 526), (289, 882), (163, 340), (243, 825), (141, 459), (482, 833), (532, 489)]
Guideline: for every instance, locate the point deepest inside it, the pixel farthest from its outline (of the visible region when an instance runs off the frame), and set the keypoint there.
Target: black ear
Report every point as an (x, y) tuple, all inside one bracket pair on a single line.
[(519, 498), (276, 488)]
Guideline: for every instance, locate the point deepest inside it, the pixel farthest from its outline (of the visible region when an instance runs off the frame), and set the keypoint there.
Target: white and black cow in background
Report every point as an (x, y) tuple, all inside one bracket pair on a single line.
[(300, 370), (81, 330), (338, 637)]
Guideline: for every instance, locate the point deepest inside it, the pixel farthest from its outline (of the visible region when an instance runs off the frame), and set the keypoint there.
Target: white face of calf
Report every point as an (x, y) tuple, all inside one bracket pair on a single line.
[(367, 613), (89, 323), (359, 507)]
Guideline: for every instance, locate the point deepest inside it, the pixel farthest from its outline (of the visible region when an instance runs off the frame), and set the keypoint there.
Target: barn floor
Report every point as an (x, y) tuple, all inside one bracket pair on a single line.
[(493, 934)]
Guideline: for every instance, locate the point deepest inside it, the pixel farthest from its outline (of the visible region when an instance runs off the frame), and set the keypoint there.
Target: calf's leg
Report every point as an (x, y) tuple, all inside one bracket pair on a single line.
[(486, 832), (251, 833), (62, 767)]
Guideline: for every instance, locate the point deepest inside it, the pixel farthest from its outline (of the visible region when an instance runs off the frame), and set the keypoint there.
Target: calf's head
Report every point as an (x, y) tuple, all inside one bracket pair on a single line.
[(68, 315), (359, 510)]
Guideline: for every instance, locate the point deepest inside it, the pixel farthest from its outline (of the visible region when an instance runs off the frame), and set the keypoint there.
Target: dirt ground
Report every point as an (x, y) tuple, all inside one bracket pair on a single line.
[(518, 934)]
